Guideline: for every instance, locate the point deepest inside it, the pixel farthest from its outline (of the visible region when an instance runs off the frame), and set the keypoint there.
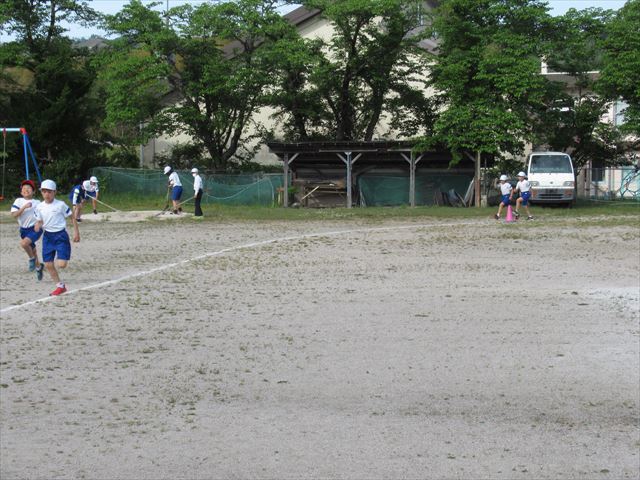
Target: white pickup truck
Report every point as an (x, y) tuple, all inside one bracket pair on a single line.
[(551, 177)]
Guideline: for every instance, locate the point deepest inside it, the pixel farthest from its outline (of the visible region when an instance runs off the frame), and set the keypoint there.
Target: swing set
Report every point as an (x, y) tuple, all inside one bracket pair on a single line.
[(28, 153)]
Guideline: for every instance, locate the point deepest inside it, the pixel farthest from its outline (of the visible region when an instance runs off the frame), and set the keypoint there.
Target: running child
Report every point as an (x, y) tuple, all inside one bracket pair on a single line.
[(505, 192), (176, 188), (524, 187), (23, 209), (92, 190), (77, 196), (51, 217)]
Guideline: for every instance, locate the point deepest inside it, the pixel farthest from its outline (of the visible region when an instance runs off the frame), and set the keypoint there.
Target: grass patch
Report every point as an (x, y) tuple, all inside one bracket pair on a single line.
[(258, 213)]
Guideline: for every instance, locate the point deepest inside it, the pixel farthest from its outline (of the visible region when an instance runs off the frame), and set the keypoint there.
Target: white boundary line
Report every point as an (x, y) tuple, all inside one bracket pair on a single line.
[(233, 249)]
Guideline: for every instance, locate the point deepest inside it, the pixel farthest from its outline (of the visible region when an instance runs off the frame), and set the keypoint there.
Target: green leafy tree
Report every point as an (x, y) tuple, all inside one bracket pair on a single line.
[(486, 74), (203, 71), (572, 120), (341, 88), (620, 74), (47, 86)]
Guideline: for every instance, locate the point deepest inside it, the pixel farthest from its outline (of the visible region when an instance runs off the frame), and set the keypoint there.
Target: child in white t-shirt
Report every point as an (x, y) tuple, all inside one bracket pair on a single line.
[(23, 209), (524, 187), (175, 185), (51, 215), (505, 194)]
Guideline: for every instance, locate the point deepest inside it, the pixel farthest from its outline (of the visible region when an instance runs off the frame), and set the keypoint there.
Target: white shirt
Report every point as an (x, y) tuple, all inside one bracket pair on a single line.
[(523, 186), (90, 188), (505, 188), (174, 180), (197, 183), (53, 215), (26, 218)]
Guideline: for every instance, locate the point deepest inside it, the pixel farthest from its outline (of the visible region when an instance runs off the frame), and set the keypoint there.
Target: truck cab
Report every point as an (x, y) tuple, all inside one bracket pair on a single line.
[(551, 176)]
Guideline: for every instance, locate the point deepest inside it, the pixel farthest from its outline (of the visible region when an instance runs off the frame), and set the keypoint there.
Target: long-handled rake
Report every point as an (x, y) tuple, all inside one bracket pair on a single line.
[(168, 204), (105, 204)]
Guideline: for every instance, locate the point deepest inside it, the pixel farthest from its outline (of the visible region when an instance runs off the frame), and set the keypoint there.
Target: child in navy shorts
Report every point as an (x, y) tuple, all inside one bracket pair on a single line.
[(51, 215), (77, 196), (23, 209), (505, 195), (524, 187), (176, 188)]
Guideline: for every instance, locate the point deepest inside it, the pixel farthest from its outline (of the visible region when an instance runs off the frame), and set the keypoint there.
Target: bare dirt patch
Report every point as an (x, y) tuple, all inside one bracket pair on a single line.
[(457, 349)]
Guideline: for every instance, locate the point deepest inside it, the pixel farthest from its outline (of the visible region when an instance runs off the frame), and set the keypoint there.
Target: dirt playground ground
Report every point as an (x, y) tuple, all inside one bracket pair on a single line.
[(448, 349)]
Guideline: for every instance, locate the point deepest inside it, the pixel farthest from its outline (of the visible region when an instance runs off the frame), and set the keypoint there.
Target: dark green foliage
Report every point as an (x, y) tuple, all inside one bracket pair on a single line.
[(340, 88), (46, 86), (203, 73), (486, 73), (621, 63)]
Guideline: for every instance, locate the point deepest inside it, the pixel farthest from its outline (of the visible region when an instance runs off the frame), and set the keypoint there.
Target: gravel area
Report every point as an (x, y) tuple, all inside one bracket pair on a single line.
[(440, 349)]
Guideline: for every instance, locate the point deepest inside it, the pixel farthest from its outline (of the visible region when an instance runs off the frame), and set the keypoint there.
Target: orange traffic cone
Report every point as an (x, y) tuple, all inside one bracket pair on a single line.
[(510, 218)]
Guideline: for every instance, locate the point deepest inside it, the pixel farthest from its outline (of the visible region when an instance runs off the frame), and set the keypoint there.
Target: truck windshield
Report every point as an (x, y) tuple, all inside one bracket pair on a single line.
[(550, 164)]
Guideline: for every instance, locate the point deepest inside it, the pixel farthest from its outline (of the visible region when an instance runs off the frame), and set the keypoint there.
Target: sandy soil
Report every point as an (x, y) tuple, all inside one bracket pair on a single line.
[(454, 349)]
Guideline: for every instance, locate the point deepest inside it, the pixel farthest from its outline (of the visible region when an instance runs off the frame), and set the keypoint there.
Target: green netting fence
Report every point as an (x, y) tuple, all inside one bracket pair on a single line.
[(248, 189), (392, 190)]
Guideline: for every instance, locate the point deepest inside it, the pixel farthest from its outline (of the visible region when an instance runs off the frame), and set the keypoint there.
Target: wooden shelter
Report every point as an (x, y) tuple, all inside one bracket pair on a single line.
[(335, 165)]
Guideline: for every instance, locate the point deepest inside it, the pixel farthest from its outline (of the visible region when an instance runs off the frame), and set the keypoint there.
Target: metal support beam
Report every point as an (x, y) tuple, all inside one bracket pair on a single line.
[(477, 179), (349, 161), (285, 178), (413, 161), (285, 182)]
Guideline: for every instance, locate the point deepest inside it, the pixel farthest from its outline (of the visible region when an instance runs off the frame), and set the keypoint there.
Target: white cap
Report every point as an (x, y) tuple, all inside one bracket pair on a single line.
[(86, 184), (48, 185), (194, 170), (167, 169), (503, 177), (93, 180), (521, 174)]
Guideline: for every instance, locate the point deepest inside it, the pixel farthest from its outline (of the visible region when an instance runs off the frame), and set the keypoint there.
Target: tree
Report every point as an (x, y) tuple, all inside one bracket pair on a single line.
[(572, 120), (202, 72), (46, 86), (340, 88), (487, 74), (621, 63)]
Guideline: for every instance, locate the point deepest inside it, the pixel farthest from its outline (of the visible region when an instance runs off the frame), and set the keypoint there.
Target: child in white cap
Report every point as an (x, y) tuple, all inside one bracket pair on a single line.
[(524, 187), (23, 209), (51, 217), (505, 192), (176, 188), (91, 188), (77, 196), (197, 191)]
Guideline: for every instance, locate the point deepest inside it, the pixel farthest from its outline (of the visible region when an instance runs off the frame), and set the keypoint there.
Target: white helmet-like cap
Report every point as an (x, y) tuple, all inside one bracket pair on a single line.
[(521, 174), (194, 170), (93, 179), (86, 184), (503, 177), (48, 185), (167, 169)]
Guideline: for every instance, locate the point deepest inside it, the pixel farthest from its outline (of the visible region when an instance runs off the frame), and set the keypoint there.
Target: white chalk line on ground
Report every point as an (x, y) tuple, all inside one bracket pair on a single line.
[(232, 249)]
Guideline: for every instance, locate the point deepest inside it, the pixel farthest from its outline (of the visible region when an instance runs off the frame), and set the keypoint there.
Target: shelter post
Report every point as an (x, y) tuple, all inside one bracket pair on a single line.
[(477, 179)]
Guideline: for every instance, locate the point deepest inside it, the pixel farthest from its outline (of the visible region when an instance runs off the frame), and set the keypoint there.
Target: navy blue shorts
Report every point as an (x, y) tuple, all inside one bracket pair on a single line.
[(30, 233), (525, 198), (90, 194), (56, 244), (505, 200), (176, 193)]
